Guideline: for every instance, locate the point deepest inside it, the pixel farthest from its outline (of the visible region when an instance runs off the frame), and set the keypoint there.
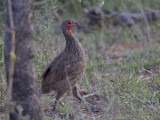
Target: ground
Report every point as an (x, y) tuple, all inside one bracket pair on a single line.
[(122, 74)]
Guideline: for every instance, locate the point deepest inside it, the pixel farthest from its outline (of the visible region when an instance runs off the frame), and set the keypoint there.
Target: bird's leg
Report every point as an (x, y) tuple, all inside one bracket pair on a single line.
[(57, 98), (76, 93)]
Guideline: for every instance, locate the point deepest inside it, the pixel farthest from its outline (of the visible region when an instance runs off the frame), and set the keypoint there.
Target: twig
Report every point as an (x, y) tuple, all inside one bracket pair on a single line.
[(2, 12), (154, 94), (65, 4), (43, 17), (50, 8), (40, 2), (12, 61), (145, 104), (147, 23), (142, 102)]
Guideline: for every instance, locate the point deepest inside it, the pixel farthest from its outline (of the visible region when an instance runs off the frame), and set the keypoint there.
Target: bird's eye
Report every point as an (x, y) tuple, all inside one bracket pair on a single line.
[(69, 22)]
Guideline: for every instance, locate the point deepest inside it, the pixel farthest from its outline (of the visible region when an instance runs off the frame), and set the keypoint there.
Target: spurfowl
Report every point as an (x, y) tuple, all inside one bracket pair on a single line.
[(67, 68)]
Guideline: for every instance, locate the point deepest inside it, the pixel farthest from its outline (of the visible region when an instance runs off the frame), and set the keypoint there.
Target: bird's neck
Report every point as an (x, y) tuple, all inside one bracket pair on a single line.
[(72, 44)]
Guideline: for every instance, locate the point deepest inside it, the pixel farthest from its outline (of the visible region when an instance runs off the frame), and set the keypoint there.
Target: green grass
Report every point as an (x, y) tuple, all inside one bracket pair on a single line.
[(122, 81), (123, 67)]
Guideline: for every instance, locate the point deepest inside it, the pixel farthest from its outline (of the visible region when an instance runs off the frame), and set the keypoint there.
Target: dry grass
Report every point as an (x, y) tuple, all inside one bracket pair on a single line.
[(123, 71)]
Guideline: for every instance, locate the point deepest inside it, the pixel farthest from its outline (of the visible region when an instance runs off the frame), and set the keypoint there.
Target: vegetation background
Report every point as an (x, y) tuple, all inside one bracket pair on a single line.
[(123, 69)]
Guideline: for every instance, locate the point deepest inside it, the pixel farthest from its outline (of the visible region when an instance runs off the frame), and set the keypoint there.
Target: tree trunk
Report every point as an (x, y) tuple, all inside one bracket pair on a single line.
[(25, 91)]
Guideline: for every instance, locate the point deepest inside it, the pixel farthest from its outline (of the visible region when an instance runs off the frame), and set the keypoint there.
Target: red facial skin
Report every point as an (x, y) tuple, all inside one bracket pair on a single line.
[(71, 24), (69, 30)]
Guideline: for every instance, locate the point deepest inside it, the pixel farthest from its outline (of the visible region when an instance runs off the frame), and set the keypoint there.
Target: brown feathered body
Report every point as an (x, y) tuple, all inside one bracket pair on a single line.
[(66, 69)]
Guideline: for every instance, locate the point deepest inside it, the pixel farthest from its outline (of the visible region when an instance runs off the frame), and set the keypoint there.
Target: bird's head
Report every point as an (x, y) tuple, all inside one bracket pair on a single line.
[(68, 24)]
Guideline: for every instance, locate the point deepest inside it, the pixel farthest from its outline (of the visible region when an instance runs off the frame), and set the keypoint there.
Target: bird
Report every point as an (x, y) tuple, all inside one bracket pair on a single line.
[(63, 73)]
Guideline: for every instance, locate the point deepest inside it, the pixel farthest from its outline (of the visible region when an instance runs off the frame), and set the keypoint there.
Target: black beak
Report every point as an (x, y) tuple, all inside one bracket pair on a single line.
[(78, 24)]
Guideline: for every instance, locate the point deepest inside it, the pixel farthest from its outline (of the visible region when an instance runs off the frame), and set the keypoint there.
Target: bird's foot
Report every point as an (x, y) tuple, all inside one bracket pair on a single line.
[(93, 109), (96, 109), (61, 104), (53, 108), (83, 93)]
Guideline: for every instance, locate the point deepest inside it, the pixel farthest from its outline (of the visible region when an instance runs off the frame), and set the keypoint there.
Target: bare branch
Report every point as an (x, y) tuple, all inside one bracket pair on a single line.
[(142, 102), (40, 2), (45, 15), (2, 12), (12, 61), (145, 104)]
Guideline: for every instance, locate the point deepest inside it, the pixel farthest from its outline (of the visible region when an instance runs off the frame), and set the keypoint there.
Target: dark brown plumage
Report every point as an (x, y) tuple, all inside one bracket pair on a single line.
[(67, 68)]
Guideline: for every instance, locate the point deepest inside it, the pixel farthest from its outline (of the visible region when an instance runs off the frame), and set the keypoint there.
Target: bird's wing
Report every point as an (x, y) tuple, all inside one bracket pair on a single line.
[(51, 67), (50, 74), (60, 68)]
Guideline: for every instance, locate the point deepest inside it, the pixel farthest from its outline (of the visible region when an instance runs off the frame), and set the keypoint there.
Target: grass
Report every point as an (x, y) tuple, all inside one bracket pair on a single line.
[(123, 68), (132, 75)]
